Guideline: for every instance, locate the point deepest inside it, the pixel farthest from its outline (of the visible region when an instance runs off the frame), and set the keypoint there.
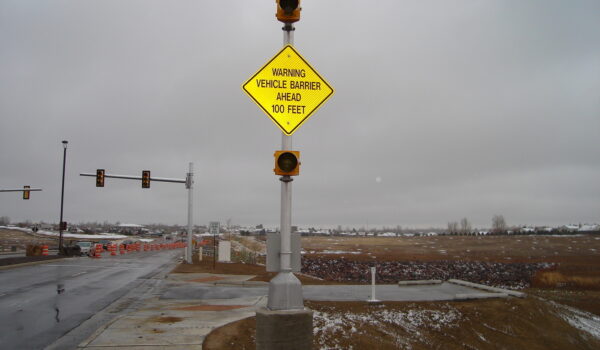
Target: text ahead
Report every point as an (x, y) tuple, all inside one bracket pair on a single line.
[(288, 89)]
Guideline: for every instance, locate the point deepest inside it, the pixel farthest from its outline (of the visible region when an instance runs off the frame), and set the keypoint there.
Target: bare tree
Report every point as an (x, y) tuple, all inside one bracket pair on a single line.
[(453, 227), (4, 220), (465, 226), (498, 224)]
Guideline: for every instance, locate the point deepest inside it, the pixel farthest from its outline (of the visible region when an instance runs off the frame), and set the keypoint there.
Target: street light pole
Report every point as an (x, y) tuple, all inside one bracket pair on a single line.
[(62, 200)]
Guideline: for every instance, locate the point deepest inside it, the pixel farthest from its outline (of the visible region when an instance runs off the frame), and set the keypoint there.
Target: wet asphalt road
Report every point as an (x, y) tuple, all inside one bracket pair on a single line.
[(41, 303)]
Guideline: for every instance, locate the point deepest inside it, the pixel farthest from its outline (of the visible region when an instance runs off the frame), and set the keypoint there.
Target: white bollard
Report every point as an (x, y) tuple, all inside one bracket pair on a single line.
[(373, 298)]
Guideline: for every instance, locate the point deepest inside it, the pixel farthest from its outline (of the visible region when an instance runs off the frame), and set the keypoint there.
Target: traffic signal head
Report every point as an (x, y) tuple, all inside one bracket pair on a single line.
[(145, 178), (100, 178), (26, 193), (288, 11), (287, 163)]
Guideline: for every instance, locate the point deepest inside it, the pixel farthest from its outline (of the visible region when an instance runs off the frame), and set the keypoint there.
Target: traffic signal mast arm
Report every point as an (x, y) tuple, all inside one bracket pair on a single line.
[(21, 189), (134, 177)]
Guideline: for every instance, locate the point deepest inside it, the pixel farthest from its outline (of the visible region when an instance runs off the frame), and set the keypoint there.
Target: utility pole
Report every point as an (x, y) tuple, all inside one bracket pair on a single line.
[(62, 200)]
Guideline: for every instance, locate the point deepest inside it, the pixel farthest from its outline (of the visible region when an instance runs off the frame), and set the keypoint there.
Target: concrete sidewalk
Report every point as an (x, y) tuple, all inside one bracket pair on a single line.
[(190, 306), (169, 324), (176, 323)]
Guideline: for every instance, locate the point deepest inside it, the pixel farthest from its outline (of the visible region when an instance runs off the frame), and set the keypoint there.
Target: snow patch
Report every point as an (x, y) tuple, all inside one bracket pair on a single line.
[(83, 236), (582, 320), (329, 326)]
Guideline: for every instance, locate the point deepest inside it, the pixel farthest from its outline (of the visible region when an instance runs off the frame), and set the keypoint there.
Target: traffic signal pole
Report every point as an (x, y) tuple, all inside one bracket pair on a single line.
[(189, 185), (285, 290), (286, 184)]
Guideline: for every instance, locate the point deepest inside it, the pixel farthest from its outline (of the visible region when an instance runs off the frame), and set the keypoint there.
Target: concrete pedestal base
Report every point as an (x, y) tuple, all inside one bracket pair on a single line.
[(285, 292), (284, 329)]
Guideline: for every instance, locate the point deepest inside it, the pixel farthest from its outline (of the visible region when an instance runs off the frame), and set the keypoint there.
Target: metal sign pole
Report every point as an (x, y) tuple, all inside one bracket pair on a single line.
[(285, 290), (286, 184), (190, 185)]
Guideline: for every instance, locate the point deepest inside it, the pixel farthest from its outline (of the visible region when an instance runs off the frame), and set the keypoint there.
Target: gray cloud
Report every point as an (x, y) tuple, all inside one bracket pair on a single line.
[(461, 109)]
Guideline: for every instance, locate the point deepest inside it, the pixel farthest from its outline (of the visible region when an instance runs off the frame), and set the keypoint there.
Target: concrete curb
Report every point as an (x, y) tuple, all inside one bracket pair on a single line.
[(473, 296), (13, 266), (488, 288), (13, 253), (98, 331), (419, 282), (241, 283)]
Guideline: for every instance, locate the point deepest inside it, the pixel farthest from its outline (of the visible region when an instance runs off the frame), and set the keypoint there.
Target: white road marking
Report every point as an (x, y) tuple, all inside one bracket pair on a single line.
[(78, 274)]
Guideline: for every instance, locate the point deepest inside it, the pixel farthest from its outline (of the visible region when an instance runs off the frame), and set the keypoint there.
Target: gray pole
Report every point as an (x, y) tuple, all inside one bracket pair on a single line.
[(285, 290), (190, 185), (62, 199)]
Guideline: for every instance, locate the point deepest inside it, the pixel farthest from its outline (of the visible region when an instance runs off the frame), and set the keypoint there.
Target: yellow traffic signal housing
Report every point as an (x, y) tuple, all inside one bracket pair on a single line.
[(288, 11), (100, 178), (145, 178), (26, 193), (287, 163)]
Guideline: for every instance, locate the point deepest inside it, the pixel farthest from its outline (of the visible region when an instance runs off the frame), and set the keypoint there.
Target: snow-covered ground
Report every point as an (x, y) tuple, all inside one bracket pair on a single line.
[(579, 319), (330, 252), (329, 324), (68, 235)]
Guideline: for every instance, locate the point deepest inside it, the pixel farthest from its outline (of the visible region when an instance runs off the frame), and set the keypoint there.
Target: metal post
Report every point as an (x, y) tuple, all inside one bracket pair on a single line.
[(285, 290), (214, 250), (286, 185), (190, 185), (373, 297), (62, 200)]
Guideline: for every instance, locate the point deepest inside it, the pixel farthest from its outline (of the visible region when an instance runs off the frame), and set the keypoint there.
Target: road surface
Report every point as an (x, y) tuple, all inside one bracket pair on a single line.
[(41, 303)]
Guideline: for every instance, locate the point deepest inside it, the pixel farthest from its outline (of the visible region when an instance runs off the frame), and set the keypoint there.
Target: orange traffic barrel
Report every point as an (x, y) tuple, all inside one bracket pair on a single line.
[(113, 249), (45, 250), (121, 249), (98, 253)]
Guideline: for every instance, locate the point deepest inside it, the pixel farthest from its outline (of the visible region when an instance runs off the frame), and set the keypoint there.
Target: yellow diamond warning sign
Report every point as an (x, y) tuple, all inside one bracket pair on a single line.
[(288, 89)]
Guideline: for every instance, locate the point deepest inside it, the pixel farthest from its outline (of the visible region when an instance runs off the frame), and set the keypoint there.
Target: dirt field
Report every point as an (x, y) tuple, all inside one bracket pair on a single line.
[(544, 320), (20, 239), (491, 324), (476, 248)]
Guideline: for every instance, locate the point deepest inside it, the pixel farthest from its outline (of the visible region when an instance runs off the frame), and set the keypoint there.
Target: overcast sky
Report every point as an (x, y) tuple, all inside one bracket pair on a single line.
[(442, 110)]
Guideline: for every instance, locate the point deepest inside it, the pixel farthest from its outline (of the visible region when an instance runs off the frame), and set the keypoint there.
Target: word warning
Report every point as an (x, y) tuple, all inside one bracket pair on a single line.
[(288, 89)]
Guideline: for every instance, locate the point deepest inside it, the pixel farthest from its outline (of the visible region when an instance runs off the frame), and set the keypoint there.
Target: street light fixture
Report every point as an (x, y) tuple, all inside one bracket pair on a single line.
[(62, 199)]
